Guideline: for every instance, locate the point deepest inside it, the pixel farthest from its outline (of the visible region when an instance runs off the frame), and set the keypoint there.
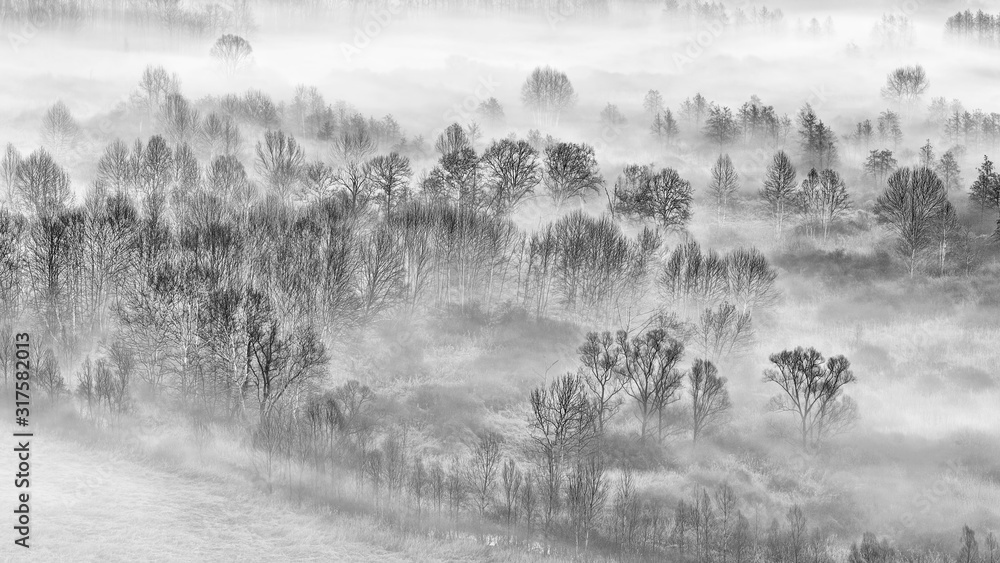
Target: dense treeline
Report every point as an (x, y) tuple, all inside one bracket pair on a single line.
[(980, 27)]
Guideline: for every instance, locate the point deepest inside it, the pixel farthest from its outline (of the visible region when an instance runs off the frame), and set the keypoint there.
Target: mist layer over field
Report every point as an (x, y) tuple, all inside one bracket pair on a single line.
[(429, 379)]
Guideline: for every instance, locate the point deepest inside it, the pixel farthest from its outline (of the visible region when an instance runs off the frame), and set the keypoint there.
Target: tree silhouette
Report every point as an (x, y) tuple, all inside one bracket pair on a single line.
[(548, 93), (779, 188), (813, 390), (571, 171), (232, 51), (723, 186), (911, 203), (709, 397)]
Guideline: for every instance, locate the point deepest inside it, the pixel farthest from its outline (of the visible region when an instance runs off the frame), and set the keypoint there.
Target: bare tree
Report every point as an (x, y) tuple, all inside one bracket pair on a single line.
[(510, 480), (601, 356), (512, 173), (281, 359), (969, 552), (8, 171), (115, 168), (586, 495), (353, 144), (813, 390), (226, 178), (562, 424), (380, 275), (154, 86), (356, 181), (911, 204), (871, 550), (949, 170), (318, 180), (779, 188), (390, 176), (649, 367), (725, 182), (42, 185), (709, 397), (652, 103), (280, 160), (985, 190), (645, 193), (548, 93), (946, 229), (179, 119), (905, 85), (722, 329), (491, 111), (570, 170), (452, 140), (60, 131), (232, 51), (824, 198), (612, 118), (484, 464), (751, 279), (879, 165), (457, 178), (220, 136), (48, 375)]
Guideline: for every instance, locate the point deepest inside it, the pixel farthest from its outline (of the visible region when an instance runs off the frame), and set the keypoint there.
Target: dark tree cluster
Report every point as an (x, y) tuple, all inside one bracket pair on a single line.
[(691, 279), (751, 125), (661, 196), (585, 264), (979, 27)]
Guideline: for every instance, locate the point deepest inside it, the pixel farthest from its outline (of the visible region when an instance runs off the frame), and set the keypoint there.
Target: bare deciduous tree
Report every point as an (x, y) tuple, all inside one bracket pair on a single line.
[(280, 160), (511, 479), (484, 464), (512, 173), (652, 103), (725, 182), (220, 136), (586, 495), (8, 172), (548, 93), (41, 185), (60, 130), (452, 140), (601, 356), (911, 204), (562, 424), (179, 119), (814, 391), (232, 51), (906, 84), (879, 165), (645, 193), (823, 198), (779, 188), (649, 367), (721, 330), (353, 144), (390, 176), (355, 179), (154, 86), (751, 279), (570, 170), (709, 397)]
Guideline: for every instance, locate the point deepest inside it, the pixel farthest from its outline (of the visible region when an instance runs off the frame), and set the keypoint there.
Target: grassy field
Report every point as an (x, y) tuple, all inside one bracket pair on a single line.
[(93, 504)]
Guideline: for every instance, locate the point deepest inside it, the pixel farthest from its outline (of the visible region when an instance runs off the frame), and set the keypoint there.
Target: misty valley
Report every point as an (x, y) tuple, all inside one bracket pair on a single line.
[(501, 280)]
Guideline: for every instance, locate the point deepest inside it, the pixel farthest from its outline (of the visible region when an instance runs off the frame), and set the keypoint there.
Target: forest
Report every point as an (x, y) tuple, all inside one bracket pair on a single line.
[(549, 308)]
